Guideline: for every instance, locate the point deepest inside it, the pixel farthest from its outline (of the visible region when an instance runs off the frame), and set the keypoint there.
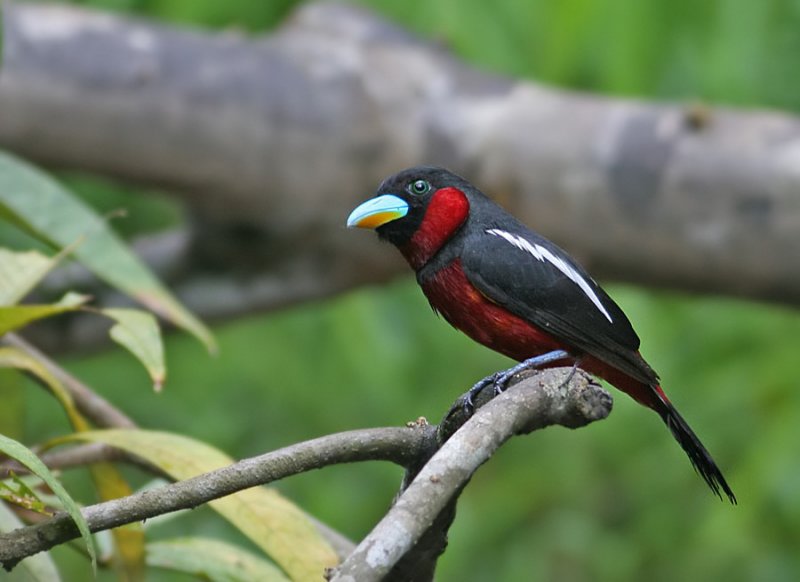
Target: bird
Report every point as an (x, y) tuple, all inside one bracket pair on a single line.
[(516, 292)]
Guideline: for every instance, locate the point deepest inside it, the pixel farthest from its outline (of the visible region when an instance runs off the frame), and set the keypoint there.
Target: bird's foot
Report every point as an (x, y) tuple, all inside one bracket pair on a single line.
[(499, 380)]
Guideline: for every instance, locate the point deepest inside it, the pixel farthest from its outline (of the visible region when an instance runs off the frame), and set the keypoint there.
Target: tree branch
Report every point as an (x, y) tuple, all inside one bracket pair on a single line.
[(544, 399), (105, 415), (271, 141), (96, 408), (78, 456), (534, 403), (398, 445)]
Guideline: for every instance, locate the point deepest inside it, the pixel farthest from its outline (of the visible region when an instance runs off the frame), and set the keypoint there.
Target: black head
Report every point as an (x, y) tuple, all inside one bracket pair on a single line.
[(402, 200)]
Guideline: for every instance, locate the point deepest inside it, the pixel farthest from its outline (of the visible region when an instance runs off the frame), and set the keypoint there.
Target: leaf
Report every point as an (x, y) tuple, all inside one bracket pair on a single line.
[(211, 560), (22, 496), (138, 332), (20, 272), (21, 453), (129, 539), (38, 568), (17, 316), (13, 358), (134, 329), (272, 522), (39, 204), (12, 395)]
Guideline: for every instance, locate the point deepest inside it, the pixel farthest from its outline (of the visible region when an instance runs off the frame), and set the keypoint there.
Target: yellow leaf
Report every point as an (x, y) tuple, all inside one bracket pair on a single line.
[(17, 316), (271, 521), (128, 540), (211, 560), (14, 358)]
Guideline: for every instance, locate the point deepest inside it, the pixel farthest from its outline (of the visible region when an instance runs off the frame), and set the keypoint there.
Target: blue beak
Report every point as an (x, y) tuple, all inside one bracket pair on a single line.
[(377, 211)]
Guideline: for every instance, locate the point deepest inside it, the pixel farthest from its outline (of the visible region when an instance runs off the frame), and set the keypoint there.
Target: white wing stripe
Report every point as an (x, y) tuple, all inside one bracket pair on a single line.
[(543, 254)]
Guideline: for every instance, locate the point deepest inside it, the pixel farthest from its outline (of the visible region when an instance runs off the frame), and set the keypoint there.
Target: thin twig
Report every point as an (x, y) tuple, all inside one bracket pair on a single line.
[(79, 456), (96, 408), (535, 403), (398, 445)]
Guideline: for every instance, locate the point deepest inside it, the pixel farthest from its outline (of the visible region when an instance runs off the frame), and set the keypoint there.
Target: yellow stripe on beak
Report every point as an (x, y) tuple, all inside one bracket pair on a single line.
[(377, 212)]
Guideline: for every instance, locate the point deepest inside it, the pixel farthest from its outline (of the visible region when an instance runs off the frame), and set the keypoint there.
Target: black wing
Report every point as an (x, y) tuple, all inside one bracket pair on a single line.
[(536, 280)]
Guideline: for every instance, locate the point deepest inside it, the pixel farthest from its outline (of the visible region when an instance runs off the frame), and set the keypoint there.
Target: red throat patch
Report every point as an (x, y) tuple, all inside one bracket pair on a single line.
[(447, 210)]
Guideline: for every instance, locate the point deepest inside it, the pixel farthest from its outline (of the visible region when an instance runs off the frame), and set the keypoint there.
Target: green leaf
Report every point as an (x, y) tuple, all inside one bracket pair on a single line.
[(211, 560), (138, 332), (38, 568), (13, 358), (13, 397), (272, 522), (32, 199), (14, 490), (20, 272), (21, 453), (129, 539), (134, 329), (17, 316)]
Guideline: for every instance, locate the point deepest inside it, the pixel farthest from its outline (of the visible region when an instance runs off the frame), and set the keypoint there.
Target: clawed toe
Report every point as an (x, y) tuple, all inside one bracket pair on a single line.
[(499, 380)]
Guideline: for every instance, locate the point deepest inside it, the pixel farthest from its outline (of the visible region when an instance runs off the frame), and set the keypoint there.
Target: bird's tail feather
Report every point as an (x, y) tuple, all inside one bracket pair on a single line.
[(697, 453)]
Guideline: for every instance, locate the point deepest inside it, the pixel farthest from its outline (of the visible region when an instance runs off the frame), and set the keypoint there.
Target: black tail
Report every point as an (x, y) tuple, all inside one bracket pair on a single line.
[(698, 455)]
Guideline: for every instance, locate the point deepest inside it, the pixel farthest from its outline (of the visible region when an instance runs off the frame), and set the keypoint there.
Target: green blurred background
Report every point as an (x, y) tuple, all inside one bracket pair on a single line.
[(614, 501)]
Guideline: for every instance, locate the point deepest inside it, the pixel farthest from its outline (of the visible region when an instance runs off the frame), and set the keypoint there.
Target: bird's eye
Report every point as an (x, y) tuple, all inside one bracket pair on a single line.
[(419, 187)]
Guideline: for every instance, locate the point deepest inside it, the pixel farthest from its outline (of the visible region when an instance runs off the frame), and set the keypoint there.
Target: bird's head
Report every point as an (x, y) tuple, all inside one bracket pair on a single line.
[(418, 210)]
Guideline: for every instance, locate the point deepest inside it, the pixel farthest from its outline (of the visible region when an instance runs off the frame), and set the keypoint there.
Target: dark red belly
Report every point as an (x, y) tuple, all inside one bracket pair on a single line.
[(467, 309)]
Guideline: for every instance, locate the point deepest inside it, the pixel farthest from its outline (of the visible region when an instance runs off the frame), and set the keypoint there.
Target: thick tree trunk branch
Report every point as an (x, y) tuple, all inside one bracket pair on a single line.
[(428, 503), (425, 509), (272, 141)]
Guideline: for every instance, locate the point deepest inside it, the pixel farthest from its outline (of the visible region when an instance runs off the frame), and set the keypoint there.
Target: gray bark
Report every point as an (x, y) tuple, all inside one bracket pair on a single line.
[(443, 461), (271, 141)]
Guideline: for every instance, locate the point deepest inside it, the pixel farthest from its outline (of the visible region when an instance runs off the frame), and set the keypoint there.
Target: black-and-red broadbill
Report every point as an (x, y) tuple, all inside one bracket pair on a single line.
[(516, 292)]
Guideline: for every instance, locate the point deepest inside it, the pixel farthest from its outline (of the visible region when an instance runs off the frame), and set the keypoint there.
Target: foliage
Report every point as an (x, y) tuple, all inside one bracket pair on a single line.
[(39, 206), (32, 202), (271, 522)]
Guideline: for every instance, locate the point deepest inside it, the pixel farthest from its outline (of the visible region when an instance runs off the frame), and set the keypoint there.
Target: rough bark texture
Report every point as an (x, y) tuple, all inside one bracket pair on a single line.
[(409, 540), (271, 141), (399, 445)]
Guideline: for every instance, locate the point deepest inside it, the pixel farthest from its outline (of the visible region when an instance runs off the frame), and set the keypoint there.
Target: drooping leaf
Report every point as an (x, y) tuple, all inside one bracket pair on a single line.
[(12, 395), (11, 357), (138, 332), (128, 540), (16, 316), (38, 568), (39, 204), (272, 522), (212, 560), (134, 329), (20, 272), (129, 553), (24, 455)]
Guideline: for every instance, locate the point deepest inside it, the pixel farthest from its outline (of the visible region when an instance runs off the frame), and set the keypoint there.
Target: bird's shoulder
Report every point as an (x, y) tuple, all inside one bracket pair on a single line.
[(537, 280)]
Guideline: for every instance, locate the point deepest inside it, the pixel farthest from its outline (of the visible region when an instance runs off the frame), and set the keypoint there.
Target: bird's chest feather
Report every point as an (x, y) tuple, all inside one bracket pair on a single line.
[(452, 295)]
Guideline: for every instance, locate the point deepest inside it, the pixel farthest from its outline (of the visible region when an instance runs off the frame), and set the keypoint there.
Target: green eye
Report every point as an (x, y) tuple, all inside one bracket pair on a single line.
[(419, 187)]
